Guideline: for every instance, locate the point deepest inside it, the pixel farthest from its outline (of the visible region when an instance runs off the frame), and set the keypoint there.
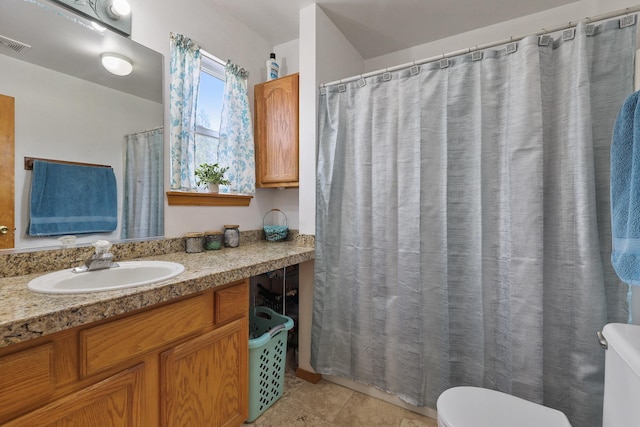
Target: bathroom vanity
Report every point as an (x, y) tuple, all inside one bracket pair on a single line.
[(167, 354)]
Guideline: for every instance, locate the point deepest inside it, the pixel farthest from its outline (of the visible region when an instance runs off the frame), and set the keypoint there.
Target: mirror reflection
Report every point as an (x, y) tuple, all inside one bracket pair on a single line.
[(68, 107)]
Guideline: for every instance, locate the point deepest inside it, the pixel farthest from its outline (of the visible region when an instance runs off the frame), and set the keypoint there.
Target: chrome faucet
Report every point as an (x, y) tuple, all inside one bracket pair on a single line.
[(101, 260)]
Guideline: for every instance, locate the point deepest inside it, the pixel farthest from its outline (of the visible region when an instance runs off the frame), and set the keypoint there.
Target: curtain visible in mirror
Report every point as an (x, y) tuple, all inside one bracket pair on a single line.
[(185, 79), (236, 149), (143, 207)]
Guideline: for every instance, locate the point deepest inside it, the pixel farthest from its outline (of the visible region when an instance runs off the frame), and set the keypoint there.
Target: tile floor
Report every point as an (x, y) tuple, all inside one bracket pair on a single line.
[(327, 404)]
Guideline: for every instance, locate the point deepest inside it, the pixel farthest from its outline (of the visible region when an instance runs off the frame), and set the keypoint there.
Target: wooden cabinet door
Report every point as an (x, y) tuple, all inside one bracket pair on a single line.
[(7, 150), (276, 132), (204, 382), (114, 402)]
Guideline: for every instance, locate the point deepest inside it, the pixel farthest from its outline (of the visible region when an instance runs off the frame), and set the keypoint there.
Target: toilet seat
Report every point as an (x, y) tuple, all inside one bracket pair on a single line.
[(480, 407)]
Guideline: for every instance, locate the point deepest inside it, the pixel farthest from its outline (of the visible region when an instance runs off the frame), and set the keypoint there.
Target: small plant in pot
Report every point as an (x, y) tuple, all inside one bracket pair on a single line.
[(212, 176)]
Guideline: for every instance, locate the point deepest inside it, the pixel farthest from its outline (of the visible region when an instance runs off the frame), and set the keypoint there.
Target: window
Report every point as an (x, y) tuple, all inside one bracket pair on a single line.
[(208, 111)]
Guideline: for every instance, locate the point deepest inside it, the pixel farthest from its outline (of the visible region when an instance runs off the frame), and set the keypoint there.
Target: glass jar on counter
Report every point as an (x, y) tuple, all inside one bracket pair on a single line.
[(232, 236), (194, 242), (212, 240)]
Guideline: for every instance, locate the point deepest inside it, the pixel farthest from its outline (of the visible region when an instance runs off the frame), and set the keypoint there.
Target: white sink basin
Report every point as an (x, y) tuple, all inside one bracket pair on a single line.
[(129, 274)]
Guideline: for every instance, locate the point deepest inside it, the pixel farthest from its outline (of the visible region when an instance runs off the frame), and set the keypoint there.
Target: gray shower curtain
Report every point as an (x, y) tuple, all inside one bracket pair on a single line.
[(463, 231), (143, 206)]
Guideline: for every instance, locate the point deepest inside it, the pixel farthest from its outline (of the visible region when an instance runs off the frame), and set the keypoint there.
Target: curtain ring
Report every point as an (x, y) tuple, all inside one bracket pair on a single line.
[(588, 19), (544, 31)]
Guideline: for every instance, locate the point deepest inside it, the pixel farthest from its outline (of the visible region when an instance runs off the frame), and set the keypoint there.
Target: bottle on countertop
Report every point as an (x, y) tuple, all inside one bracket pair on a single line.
[(273, 68)]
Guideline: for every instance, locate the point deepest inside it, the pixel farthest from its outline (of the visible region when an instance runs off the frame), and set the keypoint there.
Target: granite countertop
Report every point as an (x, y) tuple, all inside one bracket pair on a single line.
[(25, 315)]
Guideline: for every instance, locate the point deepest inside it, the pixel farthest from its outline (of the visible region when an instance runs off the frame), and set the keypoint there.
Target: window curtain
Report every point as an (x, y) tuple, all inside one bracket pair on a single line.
[(143, 207), (463, 227), (185, 79), (236, 149)]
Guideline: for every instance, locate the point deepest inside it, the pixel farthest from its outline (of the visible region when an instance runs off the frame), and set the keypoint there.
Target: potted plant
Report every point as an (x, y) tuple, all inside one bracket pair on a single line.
[(212, 176)]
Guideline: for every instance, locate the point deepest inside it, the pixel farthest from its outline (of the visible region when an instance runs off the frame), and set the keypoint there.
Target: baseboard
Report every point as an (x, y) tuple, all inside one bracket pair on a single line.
[(312, 377)]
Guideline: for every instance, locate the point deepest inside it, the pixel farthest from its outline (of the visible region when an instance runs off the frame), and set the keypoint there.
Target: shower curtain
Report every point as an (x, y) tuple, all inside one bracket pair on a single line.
[(143, 207), (463, 230)]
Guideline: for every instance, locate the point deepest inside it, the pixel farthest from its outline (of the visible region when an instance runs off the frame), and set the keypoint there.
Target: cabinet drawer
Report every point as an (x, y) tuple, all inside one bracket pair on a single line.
[(107, 345), (232, 302), (27, 377)]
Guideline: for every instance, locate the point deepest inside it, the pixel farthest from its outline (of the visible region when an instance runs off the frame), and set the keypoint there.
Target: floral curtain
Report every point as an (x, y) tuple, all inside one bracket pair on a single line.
[(143, 207), (236, 148), (185, 79)]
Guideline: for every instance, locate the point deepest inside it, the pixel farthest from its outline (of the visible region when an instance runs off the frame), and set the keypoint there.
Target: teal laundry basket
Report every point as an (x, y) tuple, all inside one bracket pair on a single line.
[(267, 358)]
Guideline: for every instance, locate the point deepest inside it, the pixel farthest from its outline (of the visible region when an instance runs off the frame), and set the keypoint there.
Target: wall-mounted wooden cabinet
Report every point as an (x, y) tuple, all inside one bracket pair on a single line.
[(276, 132), (176, 364)]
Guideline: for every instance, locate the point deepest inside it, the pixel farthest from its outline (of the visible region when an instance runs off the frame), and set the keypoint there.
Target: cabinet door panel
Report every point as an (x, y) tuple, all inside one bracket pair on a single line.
[(27, 378), (276, 132), (114, 402), (204, 381), (107, 345)]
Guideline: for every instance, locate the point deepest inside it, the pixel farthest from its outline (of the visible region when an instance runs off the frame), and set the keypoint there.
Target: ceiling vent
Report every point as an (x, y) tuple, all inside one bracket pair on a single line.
[(14, 45)]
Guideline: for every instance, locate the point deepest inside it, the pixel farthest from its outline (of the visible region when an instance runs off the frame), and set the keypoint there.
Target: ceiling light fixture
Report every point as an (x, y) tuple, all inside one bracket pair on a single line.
[(118, 8), (117, 64)]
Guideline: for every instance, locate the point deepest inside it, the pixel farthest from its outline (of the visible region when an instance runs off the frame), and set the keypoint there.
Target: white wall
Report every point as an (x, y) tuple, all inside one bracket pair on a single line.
[(224, 37), (529, 24), (288, 56), (56, 117)]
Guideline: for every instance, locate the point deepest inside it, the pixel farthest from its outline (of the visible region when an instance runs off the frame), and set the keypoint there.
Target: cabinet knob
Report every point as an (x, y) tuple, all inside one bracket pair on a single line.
[(4, 229)]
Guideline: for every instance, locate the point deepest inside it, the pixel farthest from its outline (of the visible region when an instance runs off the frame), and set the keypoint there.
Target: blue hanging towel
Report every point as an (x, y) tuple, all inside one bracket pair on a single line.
[(72, 199), (625, 194)]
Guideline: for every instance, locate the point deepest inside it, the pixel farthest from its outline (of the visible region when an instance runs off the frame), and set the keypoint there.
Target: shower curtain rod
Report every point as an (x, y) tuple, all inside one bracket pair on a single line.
[(571, 24)]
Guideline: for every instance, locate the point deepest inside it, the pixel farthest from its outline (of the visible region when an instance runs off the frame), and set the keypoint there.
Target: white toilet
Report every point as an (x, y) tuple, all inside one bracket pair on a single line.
[(479, 407)]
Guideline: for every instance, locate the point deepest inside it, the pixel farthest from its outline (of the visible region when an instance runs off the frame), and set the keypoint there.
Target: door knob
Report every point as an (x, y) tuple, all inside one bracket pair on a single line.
[(4, 229)]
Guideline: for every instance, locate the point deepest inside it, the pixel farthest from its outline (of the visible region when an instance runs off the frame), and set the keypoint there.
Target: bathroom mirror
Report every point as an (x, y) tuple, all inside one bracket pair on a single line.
[(67, 106)]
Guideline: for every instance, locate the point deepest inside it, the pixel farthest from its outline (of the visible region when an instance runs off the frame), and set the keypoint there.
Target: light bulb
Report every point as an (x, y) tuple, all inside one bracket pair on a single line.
[(118, 8), (117, 64)]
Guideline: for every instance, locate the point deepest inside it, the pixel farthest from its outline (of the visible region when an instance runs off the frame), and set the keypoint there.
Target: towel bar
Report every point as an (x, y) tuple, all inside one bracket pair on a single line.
[(28, 163)]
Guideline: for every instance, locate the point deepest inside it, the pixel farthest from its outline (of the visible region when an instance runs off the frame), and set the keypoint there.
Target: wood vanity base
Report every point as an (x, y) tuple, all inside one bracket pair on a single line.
[(173, 364)]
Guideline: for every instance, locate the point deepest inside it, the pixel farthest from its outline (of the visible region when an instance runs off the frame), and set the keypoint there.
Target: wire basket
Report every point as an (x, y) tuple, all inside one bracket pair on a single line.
[(275, 233)]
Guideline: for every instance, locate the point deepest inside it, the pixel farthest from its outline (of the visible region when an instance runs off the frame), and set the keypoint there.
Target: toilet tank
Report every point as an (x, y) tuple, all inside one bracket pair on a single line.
[(622, 376)]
